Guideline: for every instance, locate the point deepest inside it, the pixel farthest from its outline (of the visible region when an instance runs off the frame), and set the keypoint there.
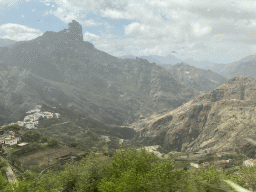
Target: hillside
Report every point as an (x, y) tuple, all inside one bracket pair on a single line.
[(169, 60), (6, 42), (220, 120), (243, 67), (59, 68), (198, 79)]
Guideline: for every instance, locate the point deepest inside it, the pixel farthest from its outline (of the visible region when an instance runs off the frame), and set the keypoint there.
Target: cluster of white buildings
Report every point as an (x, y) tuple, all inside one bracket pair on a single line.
[(31, 121)]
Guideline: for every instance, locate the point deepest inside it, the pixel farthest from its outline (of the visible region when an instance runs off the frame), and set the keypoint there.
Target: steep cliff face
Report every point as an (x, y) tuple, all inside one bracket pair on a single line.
[(109, 89), (241, 88), (213, 122)]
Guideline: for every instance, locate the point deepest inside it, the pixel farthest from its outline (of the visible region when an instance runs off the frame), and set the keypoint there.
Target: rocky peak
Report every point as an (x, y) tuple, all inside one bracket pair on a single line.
[(75, 31)]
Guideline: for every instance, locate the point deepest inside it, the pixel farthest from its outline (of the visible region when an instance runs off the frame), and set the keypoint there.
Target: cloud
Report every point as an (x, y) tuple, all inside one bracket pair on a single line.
[(67, 11), (18, 32), (90, 37), (90, 22), (196, 29)]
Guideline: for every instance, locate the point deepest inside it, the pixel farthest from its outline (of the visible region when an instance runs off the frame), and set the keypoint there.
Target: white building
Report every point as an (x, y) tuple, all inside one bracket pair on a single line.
[(34, 111), (30, 126), (28, 118), (57, 115), (20, 123), (36, 116), (195, 165), (9, 140)]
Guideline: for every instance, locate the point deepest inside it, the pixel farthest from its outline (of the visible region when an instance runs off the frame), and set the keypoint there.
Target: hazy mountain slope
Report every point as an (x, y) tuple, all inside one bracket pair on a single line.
[(110, 89), (167, 61), (243, 67), (170, 59), (199, 79), (6, 42), (221, 120)]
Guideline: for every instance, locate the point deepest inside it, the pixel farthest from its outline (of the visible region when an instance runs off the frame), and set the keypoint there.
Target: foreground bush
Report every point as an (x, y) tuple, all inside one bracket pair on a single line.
[(131, 171)]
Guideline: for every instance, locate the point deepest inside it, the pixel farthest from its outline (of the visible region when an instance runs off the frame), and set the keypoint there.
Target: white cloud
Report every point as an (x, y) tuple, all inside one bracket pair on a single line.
[(192, 28), (197, 29), (22, 16), (18, 32), (33, 10), (90, 37), (90, 22)]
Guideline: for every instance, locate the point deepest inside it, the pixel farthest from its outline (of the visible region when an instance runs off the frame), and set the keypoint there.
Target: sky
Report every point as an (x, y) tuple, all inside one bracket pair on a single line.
[(218, 31)]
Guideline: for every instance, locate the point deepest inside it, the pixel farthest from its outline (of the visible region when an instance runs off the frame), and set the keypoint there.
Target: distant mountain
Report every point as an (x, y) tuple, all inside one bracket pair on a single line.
[(59, 68), (243, 67), (171, 60), (6, 42), (199, 64), (160, 60), (199, 79), (221, 120)]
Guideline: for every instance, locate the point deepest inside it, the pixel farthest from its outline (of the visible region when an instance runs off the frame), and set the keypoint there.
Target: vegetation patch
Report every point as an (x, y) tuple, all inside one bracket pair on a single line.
[(45, 156)]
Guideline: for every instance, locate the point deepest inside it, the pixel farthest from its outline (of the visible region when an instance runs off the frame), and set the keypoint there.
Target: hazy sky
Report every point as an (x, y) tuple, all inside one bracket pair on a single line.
[(219, 31)]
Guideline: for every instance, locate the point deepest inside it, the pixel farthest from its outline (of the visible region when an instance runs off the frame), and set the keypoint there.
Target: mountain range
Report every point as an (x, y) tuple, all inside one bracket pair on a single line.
[(59, 68), (244, 67), (199, 79), (180, 107), (166, 61)]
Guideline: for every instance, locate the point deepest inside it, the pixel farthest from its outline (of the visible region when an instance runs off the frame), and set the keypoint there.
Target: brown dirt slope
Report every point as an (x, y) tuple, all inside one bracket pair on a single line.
[(41, 157), (218, 121)]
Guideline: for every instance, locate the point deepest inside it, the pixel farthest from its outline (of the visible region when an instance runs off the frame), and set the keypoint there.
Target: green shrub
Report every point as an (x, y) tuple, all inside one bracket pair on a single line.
[(53, 142)]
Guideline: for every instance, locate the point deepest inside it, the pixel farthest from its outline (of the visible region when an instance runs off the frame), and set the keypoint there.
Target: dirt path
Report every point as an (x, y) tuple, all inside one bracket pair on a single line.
[(9, 173), (60, 123)]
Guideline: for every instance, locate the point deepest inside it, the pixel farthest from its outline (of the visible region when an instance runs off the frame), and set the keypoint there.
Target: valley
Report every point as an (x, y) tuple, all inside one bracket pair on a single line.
[(71, 103)]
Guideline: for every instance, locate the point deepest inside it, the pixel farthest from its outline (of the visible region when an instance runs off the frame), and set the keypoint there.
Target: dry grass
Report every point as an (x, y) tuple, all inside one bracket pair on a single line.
[(41, 157)]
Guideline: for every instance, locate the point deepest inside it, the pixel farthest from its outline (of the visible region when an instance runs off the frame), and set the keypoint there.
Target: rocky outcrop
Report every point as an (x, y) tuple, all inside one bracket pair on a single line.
[(240, 88), (218, 121)]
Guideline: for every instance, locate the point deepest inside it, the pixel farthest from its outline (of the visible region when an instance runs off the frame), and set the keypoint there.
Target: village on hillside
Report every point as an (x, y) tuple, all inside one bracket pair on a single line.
[(31, 121)]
